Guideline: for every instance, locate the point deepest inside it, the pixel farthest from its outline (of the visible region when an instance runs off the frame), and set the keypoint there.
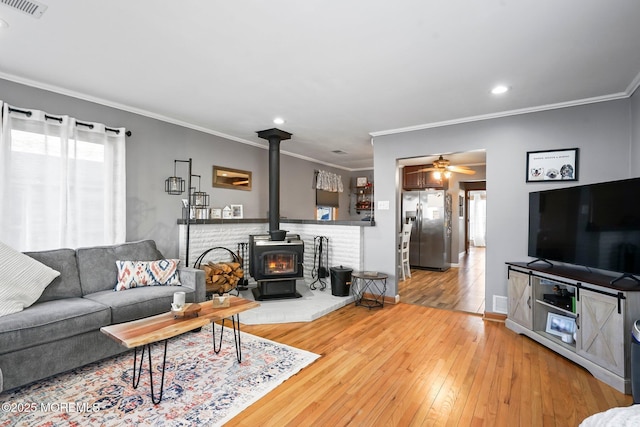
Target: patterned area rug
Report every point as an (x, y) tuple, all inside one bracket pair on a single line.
[(201, 387)]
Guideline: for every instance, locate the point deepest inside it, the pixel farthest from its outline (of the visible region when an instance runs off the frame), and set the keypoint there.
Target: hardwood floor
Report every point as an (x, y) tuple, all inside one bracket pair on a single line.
[(459, 288), (408, 365)]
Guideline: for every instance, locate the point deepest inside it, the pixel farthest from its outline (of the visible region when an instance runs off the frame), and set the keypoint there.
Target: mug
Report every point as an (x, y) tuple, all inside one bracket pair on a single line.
[(178, 300)]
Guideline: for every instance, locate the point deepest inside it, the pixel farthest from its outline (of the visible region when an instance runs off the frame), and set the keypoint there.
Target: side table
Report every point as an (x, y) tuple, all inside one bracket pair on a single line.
[(373, 284)]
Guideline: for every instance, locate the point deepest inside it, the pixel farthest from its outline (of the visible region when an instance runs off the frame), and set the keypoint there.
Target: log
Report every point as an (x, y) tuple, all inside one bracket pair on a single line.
[(221, 277)]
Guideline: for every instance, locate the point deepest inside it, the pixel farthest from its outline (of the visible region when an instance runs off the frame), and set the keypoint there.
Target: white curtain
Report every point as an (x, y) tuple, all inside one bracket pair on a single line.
[(478, 218), (328, 181), (62, 181)]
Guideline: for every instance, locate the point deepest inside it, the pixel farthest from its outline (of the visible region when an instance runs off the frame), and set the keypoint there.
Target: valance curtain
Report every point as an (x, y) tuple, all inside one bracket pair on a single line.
[(62, 181), (328, 181)]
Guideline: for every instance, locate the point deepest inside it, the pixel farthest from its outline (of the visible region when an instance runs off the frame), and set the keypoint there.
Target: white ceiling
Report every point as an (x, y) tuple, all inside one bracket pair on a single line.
[(336, 71)]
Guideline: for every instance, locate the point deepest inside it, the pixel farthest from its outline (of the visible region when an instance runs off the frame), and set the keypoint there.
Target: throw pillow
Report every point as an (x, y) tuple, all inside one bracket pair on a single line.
[(132, 274), (22, 280)]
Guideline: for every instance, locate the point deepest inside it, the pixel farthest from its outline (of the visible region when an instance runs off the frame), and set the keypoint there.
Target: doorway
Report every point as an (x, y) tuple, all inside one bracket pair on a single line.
[(462, 287), (476, 228)]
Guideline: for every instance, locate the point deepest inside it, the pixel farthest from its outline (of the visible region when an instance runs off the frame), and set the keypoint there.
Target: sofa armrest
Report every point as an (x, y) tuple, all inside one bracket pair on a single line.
[(194, 278)]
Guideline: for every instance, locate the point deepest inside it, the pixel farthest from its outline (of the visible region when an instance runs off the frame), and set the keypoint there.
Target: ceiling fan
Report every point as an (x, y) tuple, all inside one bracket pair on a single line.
[(443, 166)]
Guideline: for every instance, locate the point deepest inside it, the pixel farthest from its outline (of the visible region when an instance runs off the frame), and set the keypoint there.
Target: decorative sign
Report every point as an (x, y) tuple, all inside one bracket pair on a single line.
[(555, 165)]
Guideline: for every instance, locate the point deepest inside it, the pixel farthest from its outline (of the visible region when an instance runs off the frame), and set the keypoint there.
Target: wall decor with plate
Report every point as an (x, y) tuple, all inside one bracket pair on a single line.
[(552, 165)]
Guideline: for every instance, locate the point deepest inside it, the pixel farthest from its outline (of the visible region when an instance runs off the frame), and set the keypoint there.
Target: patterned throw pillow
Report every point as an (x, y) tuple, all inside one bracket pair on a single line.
[(133, 274)]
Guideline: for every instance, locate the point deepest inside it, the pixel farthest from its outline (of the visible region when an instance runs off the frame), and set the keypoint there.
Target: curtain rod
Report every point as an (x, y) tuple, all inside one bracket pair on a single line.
[(46, 116)]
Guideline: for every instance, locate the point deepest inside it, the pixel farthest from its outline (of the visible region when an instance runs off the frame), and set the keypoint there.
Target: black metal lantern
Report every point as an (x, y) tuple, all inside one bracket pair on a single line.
[(174, 184), (199, 199)]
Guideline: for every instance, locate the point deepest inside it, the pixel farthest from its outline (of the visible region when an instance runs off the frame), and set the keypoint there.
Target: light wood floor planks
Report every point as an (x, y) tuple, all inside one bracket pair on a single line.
[(408, 365), (459, 288)]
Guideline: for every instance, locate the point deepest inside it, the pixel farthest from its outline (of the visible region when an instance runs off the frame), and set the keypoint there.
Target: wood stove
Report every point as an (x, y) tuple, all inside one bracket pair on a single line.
[(276, 265), (275, 258)]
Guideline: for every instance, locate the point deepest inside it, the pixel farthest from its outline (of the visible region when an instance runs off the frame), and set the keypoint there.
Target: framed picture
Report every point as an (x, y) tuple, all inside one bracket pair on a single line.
[(554, 165), (216, 213), (227, 213), (236, 211), (324, 213), (560, 325), (361, 181)]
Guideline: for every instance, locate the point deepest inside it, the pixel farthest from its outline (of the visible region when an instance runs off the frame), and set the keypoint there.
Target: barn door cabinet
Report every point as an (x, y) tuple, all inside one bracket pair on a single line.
[(577, 314)]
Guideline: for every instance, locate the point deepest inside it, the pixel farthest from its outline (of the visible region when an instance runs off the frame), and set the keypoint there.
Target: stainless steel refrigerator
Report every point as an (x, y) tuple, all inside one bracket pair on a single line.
[(430, 211)]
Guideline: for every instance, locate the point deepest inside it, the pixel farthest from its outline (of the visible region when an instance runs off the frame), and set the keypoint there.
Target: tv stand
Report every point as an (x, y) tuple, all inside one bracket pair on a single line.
[(625, 275), (540, 260), (597, 318)]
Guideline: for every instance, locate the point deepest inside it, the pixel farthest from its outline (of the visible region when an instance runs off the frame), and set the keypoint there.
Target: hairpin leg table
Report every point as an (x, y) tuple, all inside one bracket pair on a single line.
[(159, 328)]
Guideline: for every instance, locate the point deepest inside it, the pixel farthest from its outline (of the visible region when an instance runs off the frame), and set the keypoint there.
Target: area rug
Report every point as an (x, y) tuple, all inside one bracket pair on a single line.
[(201, 387)]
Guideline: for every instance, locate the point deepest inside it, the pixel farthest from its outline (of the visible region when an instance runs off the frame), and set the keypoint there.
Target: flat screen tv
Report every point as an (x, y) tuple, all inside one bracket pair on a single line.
[(595, 226)]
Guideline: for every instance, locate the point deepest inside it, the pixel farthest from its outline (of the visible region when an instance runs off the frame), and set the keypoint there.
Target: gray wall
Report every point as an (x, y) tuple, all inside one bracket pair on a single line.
[(151, 150), (602, 131)]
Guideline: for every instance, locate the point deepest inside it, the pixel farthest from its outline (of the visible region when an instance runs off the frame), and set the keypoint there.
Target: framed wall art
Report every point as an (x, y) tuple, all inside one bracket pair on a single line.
[(552, 165), (236, 211)]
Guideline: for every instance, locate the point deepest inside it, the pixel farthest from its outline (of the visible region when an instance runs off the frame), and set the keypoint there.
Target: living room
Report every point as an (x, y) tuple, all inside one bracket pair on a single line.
[(605, 128)]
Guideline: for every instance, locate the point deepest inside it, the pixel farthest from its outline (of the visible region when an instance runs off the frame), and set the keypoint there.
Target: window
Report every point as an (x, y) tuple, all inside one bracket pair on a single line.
[(62, 182)]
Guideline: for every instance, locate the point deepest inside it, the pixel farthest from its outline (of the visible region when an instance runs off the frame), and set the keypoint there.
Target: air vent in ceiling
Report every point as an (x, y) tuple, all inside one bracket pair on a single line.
[(29, 7), (339, 152)]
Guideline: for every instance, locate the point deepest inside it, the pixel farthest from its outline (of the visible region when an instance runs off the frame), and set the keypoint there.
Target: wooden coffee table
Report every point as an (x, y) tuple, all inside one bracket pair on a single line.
[(144, 332)]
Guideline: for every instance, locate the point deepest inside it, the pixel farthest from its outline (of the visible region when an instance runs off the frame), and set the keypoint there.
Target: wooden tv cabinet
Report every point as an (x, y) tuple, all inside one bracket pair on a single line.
[(601, 313)]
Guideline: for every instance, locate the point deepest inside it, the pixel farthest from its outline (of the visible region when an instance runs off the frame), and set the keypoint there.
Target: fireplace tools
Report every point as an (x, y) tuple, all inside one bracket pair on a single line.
[(320, 262), (243, 284)]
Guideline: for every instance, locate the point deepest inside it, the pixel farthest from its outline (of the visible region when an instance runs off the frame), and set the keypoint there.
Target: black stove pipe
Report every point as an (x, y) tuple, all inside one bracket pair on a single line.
[(274, 136)]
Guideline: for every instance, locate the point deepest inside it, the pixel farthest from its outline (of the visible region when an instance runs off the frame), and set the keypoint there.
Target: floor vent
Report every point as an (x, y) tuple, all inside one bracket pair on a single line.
[(500, 304), (29, 7)]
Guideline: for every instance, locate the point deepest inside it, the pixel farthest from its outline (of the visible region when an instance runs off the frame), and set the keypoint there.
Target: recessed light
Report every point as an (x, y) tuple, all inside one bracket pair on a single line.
[(278, 120), (500, 89)]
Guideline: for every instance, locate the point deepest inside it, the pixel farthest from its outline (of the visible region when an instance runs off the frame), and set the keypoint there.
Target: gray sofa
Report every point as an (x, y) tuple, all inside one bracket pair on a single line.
[(61, 331)]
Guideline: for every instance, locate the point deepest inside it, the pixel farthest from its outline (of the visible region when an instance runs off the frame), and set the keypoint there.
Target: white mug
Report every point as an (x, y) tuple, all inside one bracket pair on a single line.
[(178, 300)]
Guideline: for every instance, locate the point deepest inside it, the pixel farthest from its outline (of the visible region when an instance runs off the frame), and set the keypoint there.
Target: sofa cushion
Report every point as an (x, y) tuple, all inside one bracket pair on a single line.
[(51, 321), (142, 302), (67, 285), (134, 274), (22, 280), (97, 265)]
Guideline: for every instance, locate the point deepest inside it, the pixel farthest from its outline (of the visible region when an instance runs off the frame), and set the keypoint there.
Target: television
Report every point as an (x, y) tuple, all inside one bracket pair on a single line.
[(596, 226)]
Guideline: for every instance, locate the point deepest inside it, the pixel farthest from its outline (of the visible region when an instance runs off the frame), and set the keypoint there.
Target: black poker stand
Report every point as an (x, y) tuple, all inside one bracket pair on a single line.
[(320, 262), (243, 284)]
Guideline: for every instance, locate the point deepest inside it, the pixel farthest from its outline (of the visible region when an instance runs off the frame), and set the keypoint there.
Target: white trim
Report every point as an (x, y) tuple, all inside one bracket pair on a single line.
[(626, 94), (633, 86), (501, 114), (160, 117)]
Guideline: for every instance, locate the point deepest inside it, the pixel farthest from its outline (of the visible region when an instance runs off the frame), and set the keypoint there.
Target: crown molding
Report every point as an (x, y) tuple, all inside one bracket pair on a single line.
[(509, 113), (145, 113), (633, 86)]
